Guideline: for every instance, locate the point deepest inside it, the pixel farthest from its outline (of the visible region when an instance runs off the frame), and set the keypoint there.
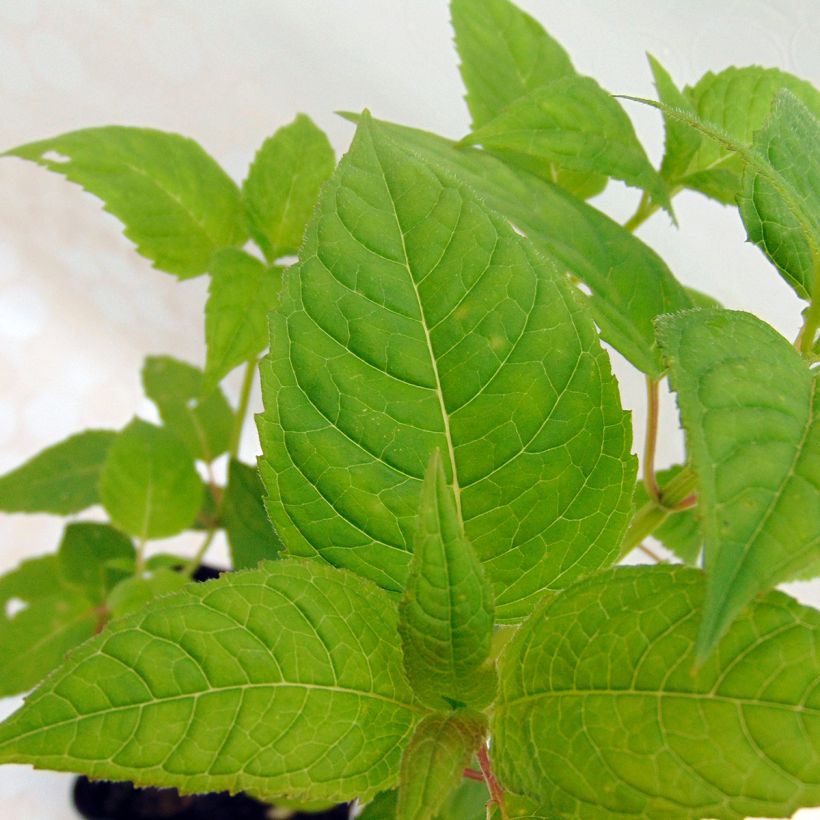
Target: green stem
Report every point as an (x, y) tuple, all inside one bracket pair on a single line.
[(811, 322), (193, 565), (674, 497), (139, 561), (651, 439), (242, 408), (644, 210)]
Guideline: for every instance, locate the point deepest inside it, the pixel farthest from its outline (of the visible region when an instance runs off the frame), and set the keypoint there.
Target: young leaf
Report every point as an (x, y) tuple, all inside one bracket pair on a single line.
[(789, 236), (177, 205), (203, 421), (600, 714), (747, 404), (285, 680), (62, 479), (571, 123), (680, 533), (418, 320), (242, 292), (41, 618), (629, 283), (504, 53), (446, 614), (84, 554), (149, 485), (283, 185), (736, 101), (433, 763), (251, 535)]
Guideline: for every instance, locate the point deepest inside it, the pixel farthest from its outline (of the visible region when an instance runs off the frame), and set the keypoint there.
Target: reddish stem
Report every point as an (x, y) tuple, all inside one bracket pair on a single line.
[(472, 774), (494, 787)]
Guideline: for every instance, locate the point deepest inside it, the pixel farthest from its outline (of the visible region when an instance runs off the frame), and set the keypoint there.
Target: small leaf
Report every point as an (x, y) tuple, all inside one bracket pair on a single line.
[(788, 235), (446, 614), (242, 292), (251, 536), (600, 714), (433, 763), (504, 53), (149, 485), (283, 185), (134, 593), (203, 423), (286, 680), (572, 123), (178, 206), (84, 554), (680, 533), (41, 618), (746, 400), (62, 479)]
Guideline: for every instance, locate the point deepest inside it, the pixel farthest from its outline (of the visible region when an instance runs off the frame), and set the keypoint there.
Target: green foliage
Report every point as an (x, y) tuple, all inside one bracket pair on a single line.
[(422, 615), (62, 479)]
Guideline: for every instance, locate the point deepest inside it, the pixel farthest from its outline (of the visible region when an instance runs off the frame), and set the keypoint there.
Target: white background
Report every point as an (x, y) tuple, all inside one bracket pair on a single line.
[(79, 310)]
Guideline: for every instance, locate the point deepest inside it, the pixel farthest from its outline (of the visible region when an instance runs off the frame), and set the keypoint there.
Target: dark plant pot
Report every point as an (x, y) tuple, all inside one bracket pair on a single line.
[(101, 800)]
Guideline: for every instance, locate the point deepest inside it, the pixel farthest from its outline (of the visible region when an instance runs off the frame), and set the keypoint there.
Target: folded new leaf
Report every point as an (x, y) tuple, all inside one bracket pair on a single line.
[(446, 614), (747, 402), (177, 205), (286, 680), (601, 715)]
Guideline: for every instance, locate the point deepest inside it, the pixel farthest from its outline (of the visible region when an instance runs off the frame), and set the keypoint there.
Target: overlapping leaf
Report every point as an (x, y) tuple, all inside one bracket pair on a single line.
[(600, 714), (418, 320), (285, 680), (177, 205), (747, 402), (62, 479), (94, 557)]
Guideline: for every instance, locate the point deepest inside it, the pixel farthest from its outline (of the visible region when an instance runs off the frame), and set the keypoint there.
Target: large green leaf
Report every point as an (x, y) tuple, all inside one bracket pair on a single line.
[(283, 185), (242, 292), (600, 714), (149, 484), (446, 614), (285, 680), (197, 413), (746, 400), (41, 618), (571, 123), (434, 760), (419, 320), (251, 535), (789, 234), (177, 205), (62, 479), (737, 101), (629, 283)]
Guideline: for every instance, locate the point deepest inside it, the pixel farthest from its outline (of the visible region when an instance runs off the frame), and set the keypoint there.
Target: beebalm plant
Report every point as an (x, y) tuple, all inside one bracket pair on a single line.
[(425, 614)]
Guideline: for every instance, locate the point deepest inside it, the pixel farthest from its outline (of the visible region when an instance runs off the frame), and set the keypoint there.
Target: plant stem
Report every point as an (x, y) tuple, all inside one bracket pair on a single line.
[(139, 562), (193, 565), (651, 439), (494, 787), (811, 322), (644, 210), (650, 554), (242, 408), (472, 774)]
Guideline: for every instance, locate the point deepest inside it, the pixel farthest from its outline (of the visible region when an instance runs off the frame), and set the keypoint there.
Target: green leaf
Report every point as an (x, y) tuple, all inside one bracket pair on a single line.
[(601, 715), (285, 680), (242, 292), (629, 283), (446, 614), (177, 205), (781, 212), (418, 320), (62, 479), (149, 484), (283, 185), (84, 555), (41, 618), (251, 535), (680, 533), (433, 763), (571, 123), (202, 421), (746, 400), (736, 101), (133, 593), (504, 53), (467, 802)]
